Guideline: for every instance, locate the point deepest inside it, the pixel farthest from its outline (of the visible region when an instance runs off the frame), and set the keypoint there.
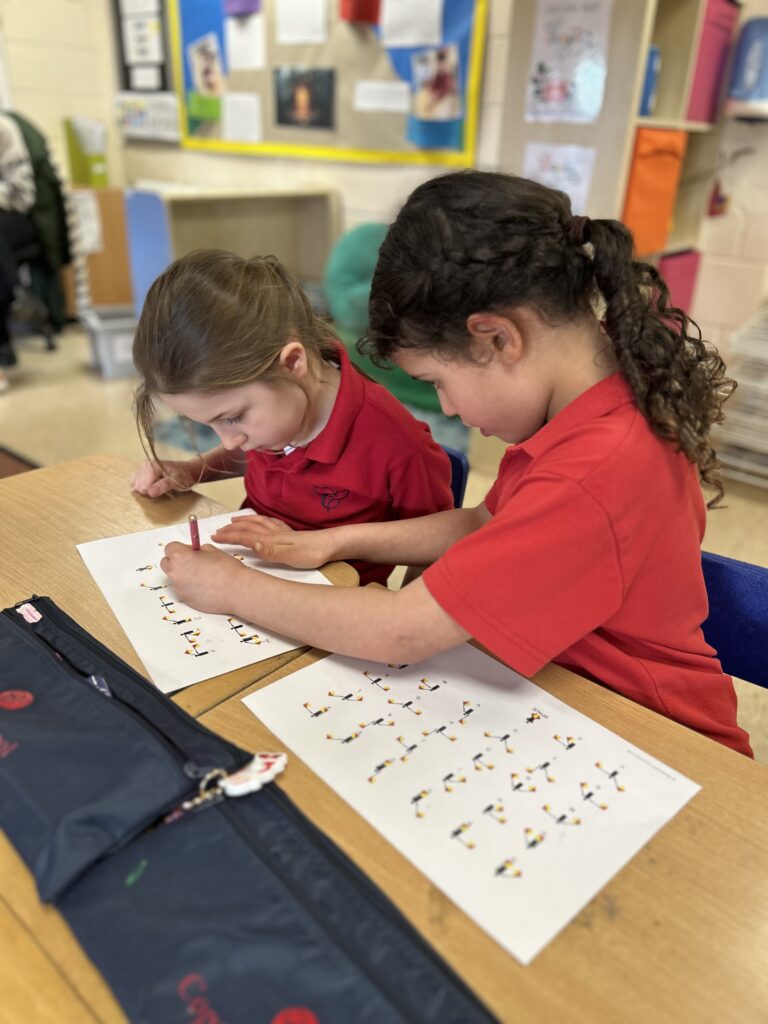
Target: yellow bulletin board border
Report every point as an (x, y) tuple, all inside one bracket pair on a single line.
[(440, 157)]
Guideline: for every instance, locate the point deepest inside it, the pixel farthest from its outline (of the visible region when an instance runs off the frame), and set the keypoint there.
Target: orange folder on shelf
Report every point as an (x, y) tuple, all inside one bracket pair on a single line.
[(657, 164)]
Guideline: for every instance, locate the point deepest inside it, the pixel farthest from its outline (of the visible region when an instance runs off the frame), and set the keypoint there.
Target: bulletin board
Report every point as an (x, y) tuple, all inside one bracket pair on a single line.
[(299, 78)]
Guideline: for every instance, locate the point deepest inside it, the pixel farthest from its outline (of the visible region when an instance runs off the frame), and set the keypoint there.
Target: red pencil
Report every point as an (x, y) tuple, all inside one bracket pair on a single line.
[(194, 533)]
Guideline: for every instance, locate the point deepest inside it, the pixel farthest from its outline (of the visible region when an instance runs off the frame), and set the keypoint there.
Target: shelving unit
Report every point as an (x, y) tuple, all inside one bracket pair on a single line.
[(742, 441), (164, 221), (678, 28)]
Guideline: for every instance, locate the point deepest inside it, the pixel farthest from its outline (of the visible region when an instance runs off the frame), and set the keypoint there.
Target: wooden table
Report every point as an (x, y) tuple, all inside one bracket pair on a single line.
[(45, 513), (678, 936)]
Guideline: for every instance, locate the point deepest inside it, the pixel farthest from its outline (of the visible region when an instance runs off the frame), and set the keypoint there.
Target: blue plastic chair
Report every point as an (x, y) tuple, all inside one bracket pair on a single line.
[(737, 626), (459, 474)]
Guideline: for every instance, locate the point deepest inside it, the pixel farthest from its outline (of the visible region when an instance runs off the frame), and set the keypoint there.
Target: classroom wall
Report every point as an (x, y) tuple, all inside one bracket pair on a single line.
[(368, 192), (60, 61), (733, 277)]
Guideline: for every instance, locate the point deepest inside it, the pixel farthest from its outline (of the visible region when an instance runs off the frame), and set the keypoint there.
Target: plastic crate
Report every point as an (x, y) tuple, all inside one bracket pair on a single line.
[(111, 329)]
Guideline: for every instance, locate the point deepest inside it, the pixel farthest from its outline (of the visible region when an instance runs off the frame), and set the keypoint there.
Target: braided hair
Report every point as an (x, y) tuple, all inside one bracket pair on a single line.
[(476, 241)]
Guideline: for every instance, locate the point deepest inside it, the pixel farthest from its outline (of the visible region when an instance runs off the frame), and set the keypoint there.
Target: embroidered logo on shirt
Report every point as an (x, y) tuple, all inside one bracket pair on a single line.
[(331, 497)]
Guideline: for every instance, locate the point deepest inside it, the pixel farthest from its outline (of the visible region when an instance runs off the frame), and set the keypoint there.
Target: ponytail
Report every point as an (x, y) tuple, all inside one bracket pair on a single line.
[(678, 380)]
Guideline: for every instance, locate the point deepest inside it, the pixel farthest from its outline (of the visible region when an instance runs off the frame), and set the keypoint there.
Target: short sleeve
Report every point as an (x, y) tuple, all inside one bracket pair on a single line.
[(542, 574), (421, 484)]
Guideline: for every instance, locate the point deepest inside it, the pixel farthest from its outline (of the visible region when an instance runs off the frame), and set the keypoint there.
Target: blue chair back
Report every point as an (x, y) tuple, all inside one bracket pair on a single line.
[(737, 626), (459, 474)]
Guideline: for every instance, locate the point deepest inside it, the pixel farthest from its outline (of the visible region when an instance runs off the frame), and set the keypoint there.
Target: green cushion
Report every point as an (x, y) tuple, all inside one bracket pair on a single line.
[(347, 287), (408, 390)]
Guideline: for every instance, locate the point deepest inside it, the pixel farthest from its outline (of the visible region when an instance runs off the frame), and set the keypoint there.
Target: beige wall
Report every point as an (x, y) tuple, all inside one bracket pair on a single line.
[(733, 278), (60, 61)]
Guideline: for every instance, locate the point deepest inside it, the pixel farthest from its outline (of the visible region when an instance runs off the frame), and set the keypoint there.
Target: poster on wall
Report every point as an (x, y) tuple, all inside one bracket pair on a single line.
[(436, 95), (304, 97), (569, 59), (567, 168), (141, 45)]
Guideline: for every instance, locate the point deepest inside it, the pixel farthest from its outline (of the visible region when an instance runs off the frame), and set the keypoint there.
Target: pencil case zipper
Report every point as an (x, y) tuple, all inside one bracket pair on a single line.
[(231, 759)]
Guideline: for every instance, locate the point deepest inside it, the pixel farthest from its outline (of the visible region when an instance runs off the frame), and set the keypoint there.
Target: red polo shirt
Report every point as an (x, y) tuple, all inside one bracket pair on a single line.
[(373, 462), (592, 560)]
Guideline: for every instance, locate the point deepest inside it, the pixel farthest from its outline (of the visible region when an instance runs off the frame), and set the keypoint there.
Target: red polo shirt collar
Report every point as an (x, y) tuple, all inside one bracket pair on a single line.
[(332, 440), (599, 400)]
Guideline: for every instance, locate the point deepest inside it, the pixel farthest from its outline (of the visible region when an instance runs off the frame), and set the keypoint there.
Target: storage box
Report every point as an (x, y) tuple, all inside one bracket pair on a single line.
[(714, 46), (657, 164), (680, 271), (111, 329)]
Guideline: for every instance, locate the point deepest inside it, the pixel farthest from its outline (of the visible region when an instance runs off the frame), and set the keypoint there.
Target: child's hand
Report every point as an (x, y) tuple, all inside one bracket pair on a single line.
[(273, 541), (154, 480), (205, 579)]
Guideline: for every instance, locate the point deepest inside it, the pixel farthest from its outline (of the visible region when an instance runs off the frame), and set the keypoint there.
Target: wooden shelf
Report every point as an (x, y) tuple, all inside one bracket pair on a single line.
[(674, 124)]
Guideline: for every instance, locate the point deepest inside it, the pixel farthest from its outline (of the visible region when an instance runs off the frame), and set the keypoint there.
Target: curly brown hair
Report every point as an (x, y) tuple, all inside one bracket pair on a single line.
[(477, 241)]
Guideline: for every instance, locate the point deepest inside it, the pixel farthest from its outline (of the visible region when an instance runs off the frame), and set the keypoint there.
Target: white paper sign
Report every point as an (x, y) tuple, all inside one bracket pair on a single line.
[(568, 61), (129, 8), (382, 96), (518, 807), (145, 77), (301, 21), (177, 644), (567, 168), (406, 23), (241, 117), (143, 41), (244, 41), (148, 115), (88, 218)]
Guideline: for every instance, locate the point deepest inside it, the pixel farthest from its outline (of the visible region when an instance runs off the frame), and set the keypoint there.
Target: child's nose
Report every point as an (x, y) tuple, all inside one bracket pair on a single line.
[(230, 439), (445, 405)]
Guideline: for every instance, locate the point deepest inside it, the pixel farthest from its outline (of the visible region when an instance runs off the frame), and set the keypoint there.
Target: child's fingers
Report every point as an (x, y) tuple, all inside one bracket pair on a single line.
[(273, 550), (259, 520), (160, 487), (238, 535)]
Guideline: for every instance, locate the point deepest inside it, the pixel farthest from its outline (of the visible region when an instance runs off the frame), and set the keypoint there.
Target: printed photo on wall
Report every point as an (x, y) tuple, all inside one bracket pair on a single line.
[(435, 76), (304, 97), (567, 168), (568, 61), (205, 66)]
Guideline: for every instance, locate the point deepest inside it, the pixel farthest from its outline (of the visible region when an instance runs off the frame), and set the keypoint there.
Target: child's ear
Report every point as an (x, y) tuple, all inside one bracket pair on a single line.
[(496, 335), (293, 358)]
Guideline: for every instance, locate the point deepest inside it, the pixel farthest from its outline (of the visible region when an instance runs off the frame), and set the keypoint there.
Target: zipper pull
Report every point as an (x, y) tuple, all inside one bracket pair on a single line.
[(252, 776), (28, 612), (101, 684)]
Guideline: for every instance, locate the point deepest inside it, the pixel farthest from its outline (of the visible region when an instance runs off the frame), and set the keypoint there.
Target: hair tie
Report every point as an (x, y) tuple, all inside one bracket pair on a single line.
[(578, 230)]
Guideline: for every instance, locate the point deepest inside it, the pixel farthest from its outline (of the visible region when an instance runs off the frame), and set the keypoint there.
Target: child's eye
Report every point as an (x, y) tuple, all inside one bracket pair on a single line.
[(233, 420)]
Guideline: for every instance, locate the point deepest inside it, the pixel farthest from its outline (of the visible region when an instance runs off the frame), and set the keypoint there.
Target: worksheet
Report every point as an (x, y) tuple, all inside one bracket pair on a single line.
[(517, 807), (178, 645)]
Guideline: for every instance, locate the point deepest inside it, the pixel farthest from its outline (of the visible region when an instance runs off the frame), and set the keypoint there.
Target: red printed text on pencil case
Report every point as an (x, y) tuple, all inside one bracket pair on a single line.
[(295, 1015), (7, 747), (15, 700), (191, 990)]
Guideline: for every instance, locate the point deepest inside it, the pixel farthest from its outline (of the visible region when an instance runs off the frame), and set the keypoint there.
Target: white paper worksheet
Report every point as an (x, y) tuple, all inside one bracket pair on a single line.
[(178, 645), (518, 807)]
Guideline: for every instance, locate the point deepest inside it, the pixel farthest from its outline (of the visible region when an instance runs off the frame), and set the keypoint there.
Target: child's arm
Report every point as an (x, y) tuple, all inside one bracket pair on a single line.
[(383, 625), (154, 479), (408, 542)]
